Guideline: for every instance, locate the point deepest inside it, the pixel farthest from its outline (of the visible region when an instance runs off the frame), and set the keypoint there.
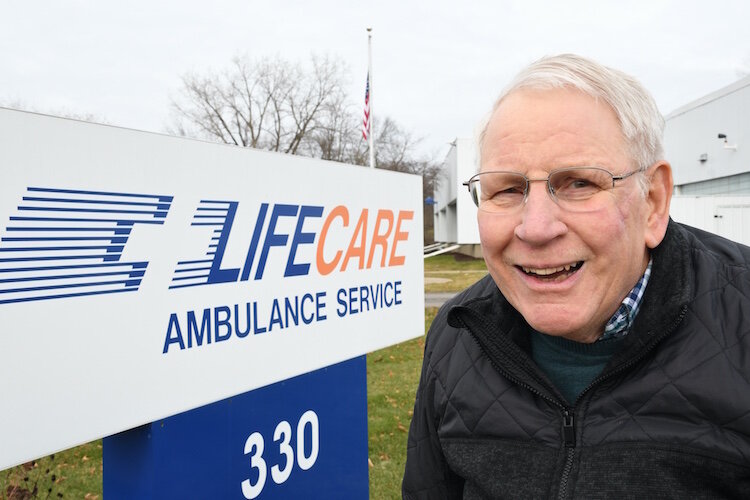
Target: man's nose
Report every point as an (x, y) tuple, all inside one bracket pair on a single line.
[(540, 222)]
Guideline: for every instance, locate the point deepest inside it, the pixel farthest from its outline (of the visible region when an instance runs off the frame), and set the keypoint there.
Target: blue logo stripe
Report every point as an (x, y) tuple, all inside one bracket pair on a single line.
[(109, 248), (202, 261), (66, 295), (193, 269), (126, 283), (130, 274), (101, 202), (116, 230), (47, 242), (61, 257), (111, 239), (119, 222), (166, 199), (183, 278), (92, 211), (135, 265), (209, 213)]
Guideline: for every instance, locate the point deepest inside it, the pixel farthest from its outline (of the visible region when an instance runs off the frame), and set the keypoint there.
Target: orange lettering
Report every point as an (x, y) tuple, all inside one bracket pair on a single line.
[(324, 267), (398, 260), (380, 239), (357, 251)]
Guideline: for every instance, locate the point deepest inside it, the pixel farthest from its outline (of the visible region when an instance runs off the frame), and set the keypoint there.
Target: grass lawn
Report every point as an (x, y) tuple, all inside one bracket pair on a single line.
[(392, 377), (442, 273), (447, 262), (75, 473)]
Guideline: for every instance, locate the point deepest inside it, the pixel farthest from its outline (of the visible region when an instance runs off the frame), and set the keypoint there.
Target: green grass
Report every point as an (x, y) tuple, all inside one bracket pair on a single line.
[(443, 273), (448, 262), (74, 473), (392, 377)]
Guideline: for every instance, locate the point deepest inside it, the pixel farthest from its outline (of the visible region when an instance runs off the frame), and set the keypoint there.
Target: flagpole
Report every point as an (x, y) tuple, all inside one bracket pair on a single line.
[(371, 135)]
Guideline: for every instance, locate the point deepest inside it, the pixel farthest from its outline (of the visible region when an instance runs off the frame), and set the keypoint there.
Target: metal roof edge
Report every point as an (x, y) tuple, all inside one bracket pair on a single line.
[(724, 91)]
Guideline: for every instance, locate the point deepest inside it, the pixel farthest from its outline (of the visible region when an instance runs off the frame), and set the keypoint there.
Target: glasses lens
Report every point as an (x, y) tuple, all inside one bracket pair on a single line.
[(579, 184), (498, 191)]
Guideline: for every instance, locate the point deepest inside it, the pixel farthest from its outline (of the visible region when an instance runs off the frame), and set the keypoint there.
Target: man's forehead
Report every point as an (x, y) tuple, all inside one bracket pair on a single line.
[(566, 124)]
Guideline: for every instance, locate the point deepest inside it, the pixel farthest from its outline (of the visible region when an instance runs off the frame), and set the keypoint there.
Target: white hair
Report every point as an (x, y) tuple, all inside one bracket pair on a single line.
[(641, 122)]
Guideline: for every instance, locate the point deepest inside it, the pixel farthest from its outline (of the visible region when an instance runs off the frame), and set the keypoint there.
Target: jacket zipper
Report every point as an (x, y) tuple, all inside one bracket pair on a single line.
[(569, 436), (568, 430)]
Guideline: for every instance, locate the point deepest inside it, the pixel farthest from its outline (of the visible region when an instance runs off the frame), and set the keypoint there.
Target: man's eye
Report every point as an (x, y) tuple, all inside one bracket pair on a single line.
[(577, 188), (507, 192), (580, 184)]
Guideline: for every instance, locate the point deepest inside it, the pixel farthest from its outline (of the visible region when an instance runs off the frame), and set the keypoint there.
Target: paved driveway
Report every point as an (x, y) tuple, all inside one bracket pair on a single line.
[(437, 299)]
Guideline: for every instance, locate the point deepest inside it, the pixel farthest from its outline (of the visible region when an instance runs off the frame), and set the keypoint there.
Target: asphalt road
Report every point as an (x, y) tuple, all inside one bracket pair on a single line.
[(437, 299)]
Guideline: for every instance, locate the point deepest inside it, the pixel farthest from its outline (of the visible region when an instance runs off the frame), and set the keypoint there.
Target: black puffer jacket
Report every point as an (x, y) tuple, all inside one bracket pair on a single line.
[(669, 417)]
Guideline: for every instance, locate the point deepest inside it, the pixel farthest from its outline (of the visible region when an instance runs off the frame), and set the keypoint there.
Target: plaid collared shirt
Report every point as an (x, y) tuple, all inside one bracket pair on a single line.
[(619, 325)]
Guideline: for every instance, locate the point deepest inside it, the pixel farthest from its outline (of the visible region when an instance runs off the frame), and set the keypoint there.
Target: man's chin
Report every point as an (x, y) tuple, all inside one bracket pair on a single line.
[(570, 331)]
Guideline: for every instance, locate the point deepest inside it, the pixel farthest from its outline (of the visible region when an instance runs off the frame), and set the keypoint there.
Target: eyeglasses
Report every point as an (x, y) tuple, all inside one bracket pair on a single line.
[(576, 189)]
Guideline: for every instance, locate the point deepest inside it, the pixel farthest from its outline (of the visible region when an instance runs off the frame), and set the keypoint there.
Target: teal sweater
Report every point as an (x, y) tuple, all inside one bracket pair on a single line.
[(570, 365)]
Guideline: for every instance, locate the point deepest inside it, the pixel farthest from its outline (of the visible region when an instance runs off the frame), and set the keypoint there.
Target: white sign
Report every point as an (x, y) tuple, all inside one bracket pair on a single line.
[(143, 275)]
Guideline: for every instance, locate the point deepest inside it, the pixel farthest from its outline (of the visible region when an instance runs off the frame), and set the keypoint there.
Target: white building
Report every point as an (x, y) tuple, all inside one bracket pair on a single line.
[(455, 212), (707, 142)]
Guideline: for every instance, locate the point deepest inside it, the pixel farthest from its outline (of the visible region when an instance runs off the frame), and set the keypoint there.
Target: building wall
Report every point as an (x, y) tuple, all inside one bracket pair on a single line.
[(733, 185), (698, 157), (726, 216), (466, 212), (455, 214)]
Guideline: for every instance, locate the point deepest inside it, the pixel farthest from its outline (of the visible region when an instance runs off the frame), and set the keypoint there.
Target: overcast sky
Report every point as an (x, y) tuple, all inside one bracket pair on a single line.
[(437, 65)]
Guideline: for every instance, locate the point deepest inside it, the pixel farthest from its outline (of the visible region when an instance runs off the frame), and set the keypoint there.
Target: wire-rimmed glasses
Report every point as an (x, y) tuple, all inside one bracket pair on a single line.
[(575, 188)]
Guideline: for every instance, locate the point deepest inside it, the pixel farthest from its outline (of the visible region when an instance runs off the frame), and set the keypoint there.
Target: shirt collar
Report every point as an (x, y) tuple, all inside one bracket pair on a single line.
[(619, 324)]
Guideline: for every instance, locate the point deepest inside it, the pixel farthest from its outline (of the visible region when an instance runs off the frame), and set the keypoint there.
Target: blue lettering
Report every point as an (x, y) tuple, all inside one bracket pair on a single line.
[(174, 326), (342, 302), (305, 319), (385, 291), (216, 274), (319, 304), (273, 239), (275, 315), (294, 311), (255, 320), (205, 331), (241, 333), (397, 292), (364, 296), (218, 323), (376, 294), (352, 301), (301, 238), (254, 242)]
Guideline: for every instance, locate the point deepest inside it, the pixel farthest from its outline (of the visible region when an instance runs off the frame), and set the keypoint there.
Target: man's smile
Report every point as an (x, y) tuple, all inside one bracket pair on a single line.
[(554, 273)]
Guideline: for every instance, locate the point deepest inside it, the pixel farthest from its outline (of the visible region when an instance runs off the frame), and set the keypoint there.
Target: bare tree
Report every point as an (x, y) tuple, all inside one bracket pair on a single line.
[(268, 104), (397, 150)]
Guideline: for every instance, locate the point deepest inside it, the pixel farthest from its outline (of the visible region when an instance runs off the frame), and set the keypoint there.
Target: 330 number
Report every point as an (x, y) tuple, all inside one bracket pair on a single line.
[(283, 435)]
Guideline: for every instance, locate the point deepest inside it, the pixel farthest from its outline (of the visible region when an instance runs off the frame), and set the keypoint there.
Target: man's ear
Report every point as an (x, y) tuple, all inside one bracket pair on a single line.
[(658, 197)]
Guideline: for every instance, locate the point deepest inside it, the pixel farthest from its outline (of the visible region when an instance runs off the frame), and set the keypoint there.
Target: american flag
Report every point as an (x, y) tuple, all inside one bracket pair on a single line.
[(366, 120)]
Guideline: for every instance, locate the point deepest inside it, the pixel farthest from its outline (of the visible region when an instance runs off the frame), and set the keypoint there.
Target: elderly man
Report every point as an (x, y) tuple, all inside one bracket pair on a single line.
[(607, 355)]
